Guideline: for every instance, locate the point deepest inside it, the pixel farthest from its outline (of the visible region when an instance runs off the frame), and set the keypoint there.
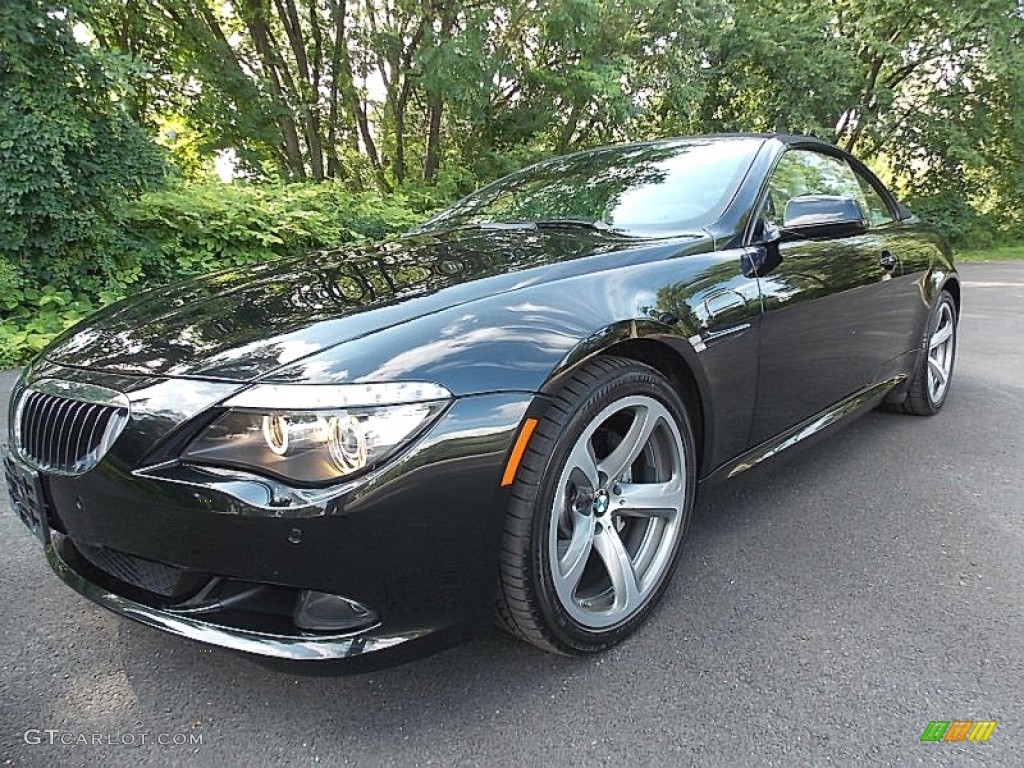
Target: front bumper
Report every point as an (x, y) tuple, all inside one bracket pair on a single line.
[(288, 647), (417, 540)]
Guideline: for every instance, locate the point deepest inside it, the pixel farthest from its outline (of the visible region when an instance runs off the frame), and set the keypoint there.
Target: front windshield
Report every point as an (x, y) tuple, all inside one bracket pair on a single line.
[(644, 190)]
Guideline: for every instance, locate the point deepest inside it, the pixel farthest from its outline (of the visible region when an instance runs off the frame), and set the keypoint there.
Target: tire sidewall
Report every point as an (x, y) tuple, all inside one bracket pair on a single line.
[(638, 380)]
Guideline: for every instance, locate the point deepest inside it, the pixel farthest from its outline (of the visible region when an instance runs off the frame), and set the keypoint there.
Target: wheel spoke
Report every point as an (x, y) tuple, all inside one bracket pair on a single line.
[(620, 569), (935, 367), (582, 460), (941, 336), (574, 561), (615, 464), (648, 499)]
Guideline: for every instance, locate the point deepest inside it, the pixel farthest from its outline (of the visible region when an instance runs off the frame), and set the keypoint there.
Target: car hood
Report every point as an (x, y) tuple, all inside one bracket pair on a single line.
[(241, 324)]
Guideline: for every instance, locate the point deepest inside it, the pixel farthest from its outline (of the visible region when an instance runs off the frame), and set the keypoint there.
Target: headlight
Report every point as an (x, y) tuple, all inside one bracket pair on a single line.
[(330, 433)]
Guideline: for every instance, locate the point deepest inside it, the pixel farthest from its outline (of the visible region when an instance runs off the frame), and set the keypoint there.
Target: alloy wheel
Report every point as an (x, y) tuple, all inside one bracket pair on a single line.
[(618, 512), (940, 353)]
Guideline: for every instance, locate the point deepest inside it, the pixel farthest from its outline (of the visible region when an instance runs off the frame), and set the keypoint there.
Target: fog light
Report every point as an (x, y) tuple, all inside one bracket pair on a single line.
[(325, 612)]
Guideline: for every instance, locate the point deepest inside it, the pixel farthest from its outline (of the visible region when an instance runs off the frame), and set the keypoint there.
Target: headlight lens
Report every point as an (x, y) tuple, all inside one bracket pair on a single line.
[(310, 447)]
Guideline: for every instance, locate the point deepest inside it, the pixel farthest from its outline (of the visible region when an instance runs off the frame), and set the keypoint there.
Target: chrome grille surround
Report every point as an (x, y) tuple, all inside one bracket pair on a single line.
[(66, 427)]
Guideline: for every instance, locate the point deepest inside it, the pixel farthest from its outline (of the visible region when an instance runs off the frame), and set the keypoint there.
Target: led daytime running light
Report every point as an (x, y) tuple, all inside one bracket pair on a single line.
[(311, 397)]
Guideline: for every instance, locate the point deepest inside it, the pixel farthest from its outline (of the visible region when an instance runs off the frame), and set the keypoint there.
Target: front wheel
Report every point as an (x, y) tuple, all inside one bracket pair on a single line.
[(599, 510)]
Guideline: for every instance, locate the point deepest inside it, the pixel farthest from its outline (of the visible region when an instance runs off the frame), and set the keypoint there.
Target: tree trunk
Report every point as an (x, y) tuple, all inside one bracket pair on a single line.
[(401, 103), (435, 109), (431, 158), (306, 91), (345, 78), (261, 40), (565, 135)]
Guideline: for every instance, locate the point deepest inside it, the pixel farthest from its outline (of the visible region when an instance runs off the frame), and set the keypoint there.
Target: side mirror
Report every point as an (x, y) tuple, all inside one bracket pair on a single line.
[(814, 216)]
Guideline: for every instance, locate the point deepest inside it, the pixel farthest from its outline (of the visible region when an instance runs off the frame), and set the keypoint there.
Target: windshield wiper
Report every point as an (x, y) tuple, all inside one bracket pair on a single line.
[(598, 226), (488, 225)]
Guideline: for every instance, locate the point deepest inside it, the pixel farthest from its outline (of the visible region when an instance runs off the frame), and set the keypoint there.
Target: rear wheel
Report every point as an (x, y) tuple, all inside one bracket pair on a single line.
[(930, 385), (599, 511)]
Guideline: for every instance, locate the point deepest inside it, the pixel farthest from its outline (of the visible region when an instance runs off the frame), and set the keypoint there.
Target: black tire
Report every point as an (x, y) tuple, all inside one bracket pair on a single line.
[(528, 604), (920, 398)]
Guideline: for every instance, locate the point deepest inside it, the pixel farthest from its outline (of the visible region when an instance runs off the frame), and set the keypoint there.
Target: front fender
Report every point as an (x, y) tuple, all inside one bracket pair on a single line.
[(515, 341)]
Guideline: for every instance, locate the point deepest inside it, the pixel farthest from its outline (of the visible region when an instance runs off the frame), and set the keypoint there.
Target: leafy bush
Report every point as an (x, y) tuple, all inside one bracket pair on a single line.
[(70, 159), (195, 228), (952, 215), (185, 230), (70, 155)]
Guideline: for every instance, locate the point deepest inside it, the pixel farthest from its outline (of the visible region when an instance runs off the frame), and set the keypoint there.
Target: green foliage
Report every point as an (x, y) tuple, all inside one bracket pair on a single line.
[(1013, 252), (367, 92), (953, 215), (196, 228), (189, 229), (375, 95), (70, 156), (32, 317)]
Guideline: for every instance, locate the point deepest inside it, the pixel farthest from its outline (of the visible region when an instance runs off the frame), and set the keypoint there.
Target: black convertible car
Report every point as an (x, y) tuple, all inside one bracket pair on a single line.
[(363, 454)]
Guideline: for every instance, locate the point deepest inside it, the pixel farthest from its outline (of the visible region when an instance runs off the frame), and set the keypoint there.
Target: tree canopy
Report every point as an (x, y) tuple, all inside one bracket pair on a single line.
[(383, 91), (345, 118)]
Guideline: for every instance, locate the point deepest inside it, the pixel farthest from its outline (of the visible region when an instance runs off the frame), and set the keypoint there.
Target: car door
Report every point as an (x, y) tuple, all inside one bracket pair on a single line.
[(828, 314), (900, 243)]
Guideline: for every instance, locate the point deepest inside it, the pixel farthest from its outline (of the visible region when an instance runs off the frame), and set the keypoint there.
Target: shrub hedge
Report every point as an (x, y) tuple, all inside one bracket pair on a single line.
[(181, 231), (187, 229)]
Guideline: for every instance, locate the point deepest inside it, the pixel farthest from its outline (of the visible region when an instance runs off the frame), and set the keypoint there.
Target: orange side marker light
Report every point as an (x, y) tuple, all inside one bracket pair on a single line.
[(517, 452)]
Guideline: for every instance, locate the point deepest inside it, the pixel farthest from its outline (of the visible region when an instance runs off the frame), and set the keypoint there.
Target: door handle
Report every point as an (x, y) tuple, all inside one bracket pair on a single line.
[(723, 301), (888, 261)]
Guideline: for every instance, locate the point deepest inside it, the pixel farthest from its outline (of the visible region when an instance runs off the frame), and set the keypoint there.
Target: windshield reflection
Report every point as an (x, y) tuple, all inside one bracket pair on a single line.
[(656, 189)]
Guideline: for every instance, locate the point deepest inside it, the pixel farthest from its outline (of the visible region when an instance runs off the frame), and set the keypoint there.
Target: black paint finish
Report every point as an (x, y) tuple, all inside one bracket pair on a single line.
[(496, 316)]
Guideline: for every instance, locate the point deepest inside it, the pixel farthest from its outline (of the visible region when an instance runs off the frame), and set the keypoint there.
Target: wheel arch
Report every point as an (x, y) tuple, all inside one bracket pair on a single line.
[(952, 285), (663, 358), (664, 349)]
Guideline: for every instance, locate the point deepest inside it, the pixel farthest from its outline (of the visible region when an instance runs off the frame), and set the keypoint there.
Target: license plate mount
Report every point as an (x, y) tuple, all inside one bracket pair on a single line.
[(26, 491)]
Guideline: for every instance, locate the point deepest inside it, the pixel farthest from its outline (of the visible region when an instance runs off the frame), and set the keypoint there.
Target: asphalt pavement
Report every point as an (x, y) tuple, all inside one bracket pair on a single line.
[(828, 606)]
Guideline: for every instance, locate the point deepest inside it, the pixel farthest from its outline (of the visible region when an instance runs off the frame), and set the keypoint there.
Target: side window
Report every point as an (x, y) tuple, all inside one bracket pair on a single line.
[(805, 172), (878, 210)]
